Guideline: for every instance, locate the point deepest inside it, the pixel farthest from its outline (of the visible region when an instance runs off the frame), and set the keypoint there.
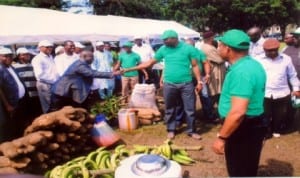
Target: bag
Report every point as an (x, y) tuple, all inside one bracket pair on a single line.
[(295, 101), (102, 133), (143, 96)]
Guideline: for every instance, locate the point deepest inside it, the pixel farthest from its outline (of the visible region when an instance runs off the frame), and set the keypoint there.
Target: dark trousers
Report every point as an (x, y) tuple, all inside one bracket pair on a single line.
[(13, 124), (156, 77), (58, 102), (174, 94), (150, 76), (243, 147), (276, 111), (290, 118)]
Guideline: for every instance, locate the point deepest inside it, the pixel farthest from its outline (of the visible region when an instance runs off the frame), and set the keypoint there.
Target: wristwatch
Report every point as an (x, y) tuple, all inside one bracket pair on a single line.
[(221, 137)]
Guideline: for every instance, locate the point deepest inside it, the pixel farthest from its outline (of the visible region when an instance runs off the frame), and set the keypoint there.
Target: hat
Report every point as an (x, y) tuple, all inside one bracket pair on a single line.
[(99, 43), (45, 43), (271, 43), (169, 34), (22, 51), (127, 44), (137, 37), (235, 39), (58, 48), (208, 34), (78, 45), (4, 51)]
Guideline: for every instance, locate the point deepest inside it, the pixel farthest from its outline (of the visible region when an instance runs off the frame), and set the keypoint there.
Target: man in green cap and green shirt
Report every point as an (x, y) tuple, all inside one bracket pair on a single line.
[(128, 59), (241, 106), (177, 78)]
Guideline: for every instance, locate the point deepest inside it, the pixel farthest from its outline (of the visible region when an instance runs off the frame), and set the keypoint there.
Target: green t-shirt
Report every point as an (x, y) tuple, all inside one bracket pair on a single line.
[(128, 60), (245, 79), (177, 62), (201, 58)]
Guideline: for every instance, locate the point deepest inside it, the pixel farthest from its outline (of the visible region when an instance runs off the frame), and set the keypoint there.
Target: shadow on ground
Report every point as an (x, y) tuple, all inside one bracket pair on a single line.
[(276, 168)]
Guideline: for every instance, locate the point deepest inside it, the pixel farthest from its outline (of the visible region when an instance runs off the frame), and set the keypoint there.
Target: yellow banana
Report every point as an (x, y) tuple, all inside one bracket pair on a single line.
[(92, 156), (90, 164), (100, 156), (179, 160), (84, 172), (119, 147), (102, 164), (168, 151), (140, 148), (108, 164), (183, 157), (78, 159), (183, 152), (69, 171), (101, 149), (113, 160), (56, 172), (107, 176)]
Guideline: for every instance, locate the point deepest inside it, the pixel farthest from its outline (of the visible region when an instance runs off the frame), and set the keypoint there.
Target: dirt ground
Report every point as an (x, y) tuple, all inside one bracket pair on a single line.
[(280, 156)]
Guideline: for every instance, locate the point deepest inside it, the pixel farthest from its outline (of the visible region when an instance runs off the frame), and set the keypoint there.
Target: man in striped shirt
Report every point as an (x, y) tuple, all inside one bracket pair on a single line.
[(25, 72)]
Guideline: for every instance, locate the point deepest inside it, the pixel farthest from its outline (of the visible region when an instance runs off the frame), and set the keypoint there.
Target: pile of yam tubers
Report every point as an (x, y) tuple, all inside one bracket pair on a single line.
[(51, 139)]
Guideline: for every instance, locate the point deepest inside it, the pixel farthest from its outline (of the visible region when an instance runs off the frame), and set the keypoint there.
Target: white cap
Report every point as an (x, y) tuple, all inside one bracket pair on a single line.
[(99, 43), (78, 45), (22, 50), (58, 48), (137, 37), (4, 51), (45, 43)]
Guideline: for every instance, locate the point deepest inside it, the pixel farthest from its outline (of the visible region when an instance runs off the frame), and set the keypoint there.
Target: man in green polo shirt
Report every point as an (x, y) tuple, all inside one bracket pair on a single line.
[(128, 59), (177, 78), (241, 105)]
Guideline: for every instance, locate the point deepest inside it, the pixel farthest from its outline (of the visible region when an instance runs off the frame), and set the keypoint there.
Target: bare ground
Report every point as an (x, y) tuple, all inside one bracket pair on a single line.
[(280, 156)]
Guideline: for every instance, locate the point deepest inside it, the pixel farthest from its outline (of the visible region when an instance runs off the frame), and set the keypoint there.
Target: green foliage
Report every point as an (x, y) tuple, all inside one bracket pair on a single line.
[(110, 107), (219, 15), (50, 4)]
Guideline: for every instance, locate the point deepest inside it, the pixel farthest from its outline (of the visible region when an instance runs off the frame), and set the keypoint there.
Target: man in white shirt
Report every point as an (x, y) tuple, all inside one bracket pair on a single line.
[(280, 72), (63, 61), (103, 62), (12, 92), (45, 73), (146, 53), (257, 41)]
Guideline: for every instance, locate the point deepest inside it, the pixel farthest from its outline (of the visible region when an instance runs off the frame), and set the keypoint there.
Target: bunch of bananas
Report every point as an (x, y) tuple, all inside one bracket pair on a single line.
[(166, 150), (102, 163)]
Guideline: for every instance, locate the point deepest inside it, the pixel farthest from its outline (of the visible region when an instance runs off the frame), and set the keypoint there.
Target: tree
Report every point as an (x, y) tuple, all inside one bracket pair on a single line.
[(221, 15), (49, 4), (131, 8)]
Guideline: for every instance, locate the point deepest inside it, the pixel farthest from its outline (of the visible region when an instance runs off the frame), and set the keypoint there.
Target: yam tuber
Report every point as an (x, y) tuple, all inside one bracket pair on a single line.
[(64, 117), (8, 170)]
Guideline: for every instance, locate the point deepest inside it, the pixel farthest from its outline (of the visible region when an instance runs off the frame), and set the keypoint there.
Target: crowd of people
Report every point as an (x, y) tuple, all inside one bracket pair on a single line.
[(250, 79)]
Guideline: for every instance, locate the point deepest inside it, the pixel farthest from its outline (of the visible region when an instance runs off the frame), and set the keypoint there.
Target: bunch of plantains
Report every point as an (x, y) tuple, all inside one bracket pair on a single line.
[(110, 107), (102, 163)]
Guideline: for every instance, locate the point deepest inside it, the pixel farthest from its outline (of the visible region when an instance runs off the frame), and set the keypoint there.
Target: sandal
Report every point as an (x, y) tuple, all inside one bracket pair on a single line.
[(195, 136), (171, 135)]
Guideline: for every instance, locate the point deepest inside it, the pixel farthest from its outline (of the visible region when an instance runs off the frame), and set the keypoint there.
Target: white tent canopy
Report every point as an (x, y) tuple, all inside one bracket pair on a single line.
[(25, 25)]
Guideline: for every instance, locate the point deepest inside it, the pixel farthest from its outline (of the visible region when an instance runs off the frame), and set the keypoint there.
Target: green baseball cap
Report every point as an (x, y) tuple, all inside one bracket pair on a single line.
[(235, 39), (169, 34), (128, 44)]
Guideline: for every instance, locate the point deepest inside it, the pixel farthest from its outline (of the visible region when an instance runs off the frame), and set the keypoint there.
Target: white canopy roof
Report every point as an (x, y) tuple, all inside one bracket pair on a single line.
[(23, 25)]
